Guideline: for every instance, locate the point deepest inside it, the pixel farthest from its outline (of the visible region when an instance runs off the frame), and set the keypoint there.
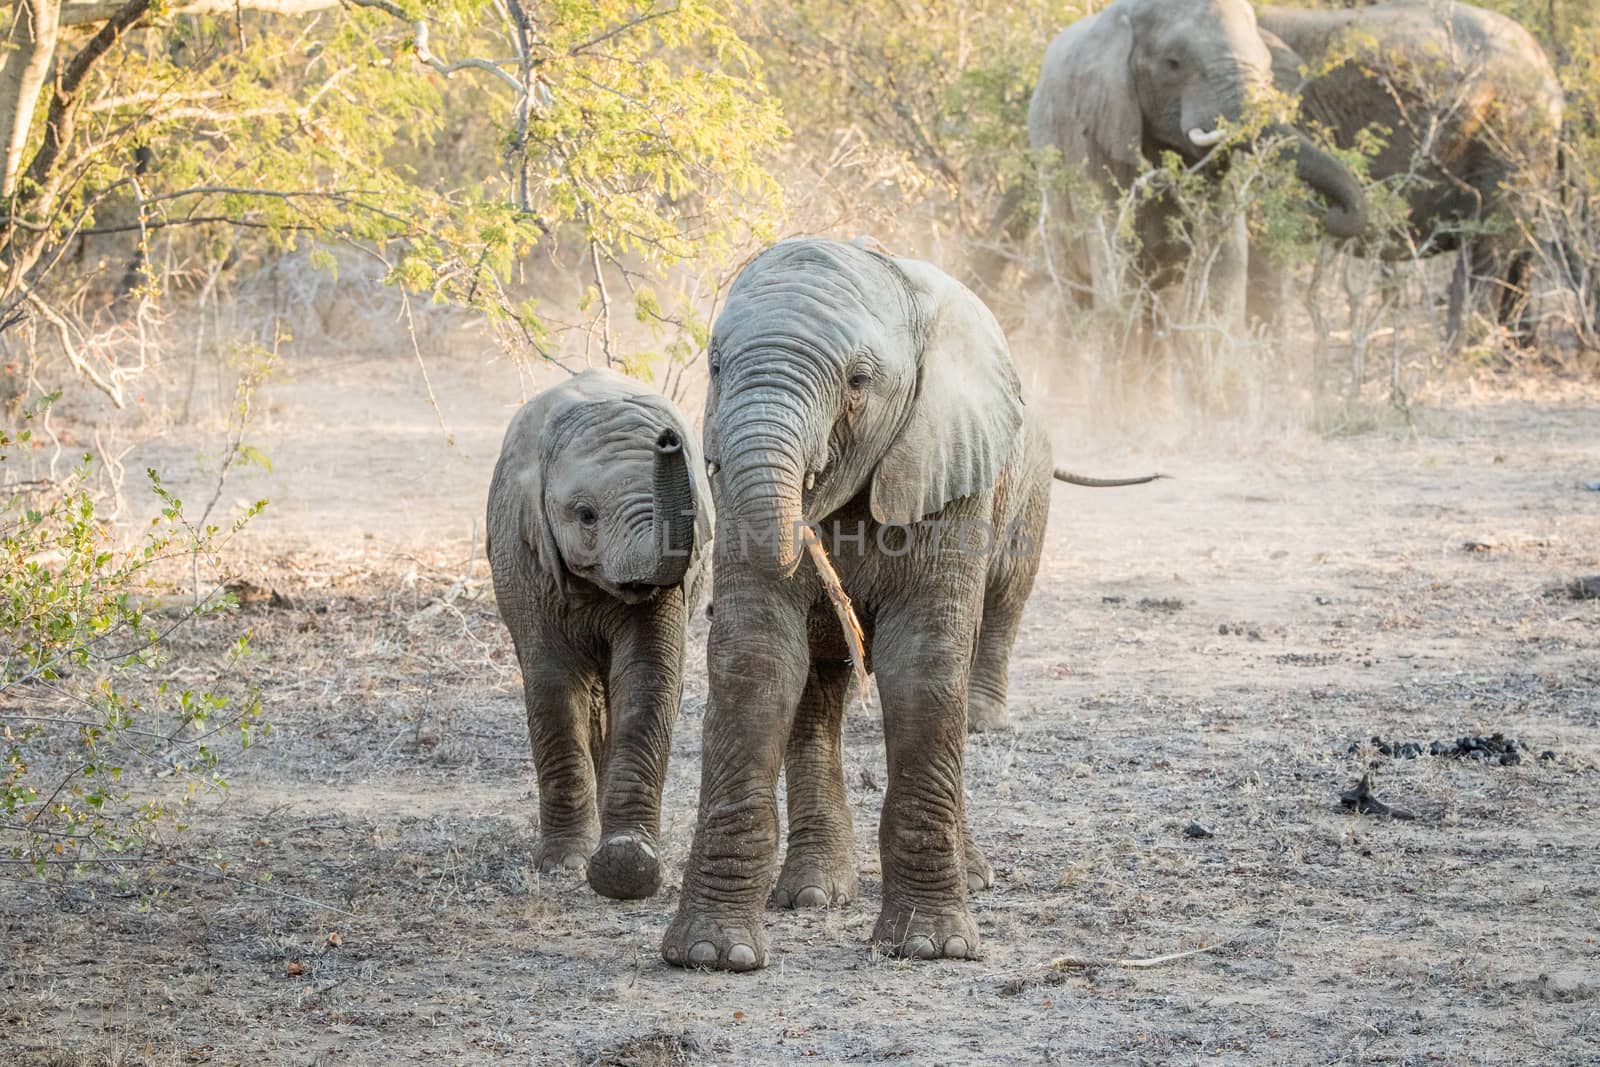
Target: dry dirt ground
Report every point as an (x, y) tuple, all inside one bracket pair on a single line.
[(1202, 650)]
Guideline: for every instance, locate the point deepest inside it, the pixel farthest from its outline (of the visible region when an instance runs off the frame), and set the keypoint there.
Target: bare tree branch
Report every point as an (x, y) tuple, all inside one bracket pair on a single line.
[(420, 43), (79, 364)]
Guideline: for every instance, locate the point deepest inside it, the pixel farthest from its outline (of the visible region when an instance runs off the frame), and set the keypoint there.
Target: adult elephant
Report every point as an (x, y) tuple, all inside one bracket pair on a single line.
[(1469, 107), (1143, 77), (599, 523), (875, 398)]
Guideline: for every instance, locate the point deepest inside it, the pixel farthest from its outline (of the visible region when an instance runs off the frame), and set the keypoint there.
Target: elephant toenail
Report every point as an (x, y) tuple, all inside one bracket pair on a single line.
[(673, 953), (742, 956), (955, 946), (573, 862), (920, 948), (976, 883), (811, 897), (703, 954)]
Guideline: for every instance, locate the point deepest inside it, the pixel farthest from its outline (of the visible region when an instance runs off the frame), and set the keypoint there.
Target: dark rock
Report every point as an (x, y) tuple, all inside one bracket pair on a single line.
[(1195, 829), (1586, 588), (1361, 799)]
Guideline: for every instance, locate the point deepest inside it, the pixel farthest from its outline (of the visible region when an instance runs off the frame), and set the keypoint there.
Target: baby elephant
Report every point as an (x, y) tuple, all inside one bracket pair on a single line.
[(599, 524)]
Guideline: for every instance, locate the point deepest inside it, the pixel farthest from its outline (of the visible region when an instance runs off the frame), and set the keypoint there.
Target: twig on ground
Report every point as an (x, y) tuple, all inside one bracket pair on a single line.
[(1069, 963), (223, 876)]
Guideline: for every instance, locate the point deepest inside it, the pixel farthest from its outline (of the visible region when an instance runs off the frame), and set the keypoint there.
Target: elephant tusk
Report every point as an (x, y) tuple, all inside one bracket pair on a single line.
[(811, 480), (712, 467), (1203, 139)]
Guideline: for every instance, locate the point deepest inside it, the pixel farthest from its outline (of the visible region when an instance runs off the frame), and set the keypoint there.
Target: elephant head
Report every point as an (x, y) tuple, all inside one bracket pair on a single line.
[(611, 490), (1144, 76), (834, 370)]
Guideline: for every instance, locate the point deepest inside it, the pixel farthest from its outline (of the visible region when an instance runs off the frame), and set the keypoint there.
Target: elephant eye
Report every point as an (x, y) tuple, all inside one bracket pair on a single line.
[(1174, 64), (586, 515), (859, 380)]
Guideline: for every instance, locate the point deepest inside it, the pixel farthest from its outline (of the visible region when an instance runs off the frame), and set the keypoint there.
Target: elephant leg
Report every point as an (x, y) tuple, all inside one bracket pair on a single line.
[(644, 690), (818, 868), (559, 695), (1267, 294), (757, 656), (1457, 301), (1515, 312), (991, 658), (923, 659), (1470, 260), (1226, 287)]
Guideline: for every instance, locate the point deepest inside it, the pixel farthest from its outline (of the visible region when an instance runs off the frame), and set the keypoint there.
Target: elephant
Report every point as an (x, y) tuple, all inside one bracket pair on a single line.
[(599, 528), (1141, 77), (1471, 110), (871, 402)]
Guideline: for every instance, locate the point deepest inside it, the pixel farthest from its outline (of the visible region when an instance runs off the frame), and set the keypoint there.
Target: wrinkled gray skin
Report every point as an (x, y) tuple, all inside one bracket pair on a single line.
[(1472, 85), (860, 392), (1119, 87), (599, 523)]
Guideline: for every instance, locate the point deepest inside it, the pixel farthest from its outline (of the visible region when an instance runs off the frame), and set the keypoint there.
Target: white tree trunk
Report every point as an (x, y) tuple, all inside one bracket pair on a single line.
[(30, 47)]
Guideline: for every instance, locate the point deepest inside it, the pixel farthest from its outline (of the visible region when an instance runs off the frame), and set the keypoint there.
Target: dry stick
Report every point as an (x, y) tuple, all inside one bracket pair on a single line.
[(842, 607), (223, 876), (1064, 963)]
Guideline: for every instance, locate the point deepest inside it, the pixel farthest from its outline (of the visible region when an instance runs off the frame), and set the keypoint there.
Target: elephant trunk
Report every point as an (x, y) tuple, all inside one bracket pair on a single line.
[(1347, 203), (763, 476), (672, 511)]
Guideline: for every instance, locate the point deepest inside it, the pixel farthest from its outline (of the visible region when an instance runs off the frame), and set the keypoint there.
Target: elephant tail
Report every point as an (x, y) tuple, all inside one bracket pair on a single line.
[(1103, 483)]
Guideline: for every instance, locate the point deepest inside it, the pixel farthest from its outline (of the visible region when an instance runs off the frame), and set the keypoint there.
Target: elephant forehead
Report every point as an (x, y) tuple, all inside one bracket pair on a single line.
[(815, 299), (1224, 28), (611, 430), (819, 326)]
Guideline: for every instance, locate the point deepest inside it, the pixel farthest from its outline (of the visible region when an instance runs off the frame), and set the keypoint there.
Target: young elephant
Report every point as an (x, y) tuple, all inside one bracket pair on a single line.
[(874, 397), (599, 518)]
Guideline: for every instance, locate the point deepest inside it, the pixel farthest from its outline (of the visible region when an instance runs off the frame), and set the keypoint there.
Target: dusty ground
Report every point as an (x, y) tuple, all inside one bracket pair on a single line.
[(1205, 649)]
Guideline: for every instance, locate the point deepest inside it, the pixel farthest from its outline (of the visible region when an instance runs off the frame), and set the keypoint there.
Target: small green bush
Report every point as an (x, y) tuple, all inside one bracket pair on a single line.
[(97, 752)]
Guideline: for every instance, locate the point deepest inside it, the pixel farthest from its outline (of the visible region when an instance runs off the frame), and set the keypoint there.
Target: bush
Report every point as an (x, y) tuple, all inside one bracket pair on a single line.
[(98, 753)]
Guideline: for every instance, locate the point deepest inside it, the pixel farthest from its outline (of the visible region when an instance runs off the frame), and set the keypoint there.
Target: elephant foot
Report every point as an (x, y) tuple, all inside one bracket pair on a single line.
[(625, 867), (913, 933), (718, 943), (980, 875), (563, 855), (815, 879), (986, 716)]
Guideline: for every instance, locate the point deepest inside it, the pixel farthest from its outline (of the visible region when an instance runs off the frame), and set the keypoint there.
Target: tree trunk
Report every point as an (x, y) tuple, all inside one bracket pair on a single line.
[(29, 51)]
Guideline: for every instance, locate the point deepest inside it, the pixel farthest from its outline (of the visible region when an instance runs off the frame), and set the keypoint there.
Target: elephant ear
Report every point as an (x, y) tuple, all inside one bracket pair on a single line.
[(1287, 67), (966, 408), (516, 492), (1084, 104)]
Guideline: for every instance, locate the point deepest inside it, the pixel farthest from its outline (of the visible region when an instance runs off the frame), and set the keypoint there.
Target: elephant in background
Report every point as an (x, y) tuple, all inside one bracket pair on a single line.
[(1140, 77), (1475, 111), (599, 526), (873, 400)]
